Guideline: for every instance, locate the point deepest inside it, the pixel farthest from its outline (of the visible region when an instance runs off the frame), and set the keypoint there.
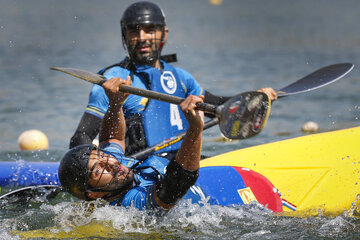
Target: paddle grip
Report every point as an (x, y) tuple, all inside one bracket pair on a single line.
[(206, 107)]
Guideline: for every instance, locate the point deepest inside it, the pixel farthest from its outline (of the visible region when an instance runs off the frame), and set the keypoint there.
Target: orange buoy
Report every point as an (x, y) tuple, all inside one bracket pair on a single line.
[(32, 140)]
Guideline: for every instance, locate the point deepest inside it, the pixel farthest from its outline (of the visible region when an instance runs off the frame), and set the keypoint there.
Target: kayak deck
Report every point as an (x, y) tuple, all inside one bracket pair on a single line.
[(318, 172)]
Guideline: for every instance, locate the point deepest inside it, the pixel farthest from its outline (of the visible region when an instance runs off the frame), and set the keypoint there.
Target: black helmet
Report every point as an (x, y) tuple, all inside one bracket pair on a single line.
[(142, 13), (73, 170)]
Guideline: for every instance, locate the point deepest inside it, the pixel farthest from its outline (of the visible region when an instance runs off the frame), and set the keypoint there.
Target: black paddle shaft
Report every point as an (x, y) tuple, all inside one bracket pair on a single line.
[(237, 121), (100, 80), (167, 98)]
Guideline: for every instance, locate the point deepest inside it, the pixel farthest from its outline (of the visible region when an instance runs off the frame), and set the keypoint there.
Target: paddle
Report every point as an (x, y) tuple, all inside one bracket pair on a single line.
[(169, 141), (317, 79), (23, 195), (312, 81), (242, 116), (230, 125)]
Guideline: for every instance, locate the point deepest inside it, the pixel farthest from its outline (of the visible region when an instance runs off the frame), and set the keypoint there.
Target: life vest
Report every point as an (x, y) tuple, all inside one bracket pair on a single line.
[(163, 120), (159, 120)]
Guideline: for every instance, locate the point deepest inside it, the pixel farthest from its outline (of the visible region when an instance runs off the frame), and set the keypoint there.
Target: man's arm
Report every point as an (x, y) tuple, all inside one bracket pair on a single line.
[(113, 125), (189, 153), (90, 122), (86, 131), (182, 173)]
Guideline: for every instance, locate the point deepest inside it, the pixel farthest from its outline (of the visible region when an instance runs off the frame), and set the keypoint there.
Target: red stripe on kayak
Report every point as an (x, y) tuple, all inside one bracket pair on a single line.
[(262, 188)]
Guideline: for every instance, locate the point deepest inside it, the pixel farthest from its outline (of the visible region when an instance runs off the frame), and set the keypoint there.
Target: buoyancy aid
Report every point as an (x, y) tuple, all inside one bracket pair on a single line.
[(159, 120), (163, 120)]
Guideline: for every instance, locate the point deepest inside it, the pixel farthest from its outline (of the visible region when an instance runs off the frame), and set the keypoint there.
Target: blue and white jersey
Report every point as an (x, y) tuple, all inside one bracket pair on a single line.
[(145, 175), (99, 102), (150, 172), (160, 120)]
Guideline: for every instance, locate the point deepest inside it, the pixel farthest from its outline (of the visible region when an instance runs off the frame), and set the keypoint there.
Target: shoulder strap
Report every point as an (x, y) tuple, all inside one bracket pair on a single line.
[(126, 63)]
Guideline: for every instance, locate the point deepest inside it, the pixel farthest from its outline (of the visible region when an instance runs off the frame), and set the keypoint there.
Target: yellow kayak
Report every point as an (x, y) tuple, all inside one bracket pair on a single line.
[(103, 229), (316, 173)]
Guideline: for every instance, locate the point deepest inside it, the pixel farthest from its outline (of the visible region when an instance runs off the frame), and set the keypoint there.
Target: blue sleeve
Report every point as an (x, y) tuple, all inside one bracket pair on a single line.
[(117, 72), (98, 100), (159, 163), (190, 85), (112, 148), (141, 198)]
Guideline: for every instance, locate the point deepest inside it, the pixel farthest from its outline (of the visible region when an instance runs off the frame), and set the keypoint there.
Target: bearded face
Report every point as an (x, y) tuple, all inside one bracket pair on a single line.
[(144, 43), (107, 174)]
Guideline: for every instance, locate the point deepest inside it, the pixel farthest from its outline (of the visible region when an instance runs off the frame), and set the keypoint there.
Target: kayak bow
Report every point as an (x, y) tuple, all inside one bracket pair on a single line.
[(313, 172)]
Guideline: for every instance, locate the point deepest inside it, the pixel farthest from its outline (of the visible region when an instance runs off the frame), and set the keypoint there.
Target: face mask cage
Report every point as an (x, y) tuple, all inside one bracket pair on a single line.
[(154, 43), (113, 186)]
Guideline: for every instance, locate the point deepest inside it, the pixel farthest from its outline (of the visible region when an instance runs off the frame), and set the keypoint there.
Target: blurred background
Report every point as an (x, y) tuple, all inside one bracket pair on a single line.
[(229, 46)]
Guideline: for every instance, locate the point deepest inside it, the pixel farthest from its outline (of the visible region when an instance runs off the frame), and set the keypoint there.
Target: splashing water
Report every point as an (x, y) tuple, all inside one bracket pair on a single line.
[(73, 220)]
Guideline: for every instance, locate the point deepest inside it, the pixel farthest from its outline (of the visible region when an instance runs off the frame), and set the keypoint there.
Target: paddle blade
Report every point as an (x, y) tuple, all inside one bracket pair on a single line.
[(319, 78), (244, 115), (26, 194), (82, 74)]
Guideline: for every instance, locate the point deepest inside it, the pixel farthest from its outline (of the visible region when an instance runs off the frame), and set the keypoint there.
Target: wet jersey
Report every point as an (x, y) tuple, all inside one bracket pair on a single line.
[(146, 175), (154, 120)]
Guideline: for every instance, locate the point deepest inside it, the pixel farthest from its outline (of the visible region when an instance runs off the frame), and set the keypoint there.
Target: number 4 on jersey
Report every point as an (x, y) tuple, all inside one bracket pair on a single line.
[(175, 119)]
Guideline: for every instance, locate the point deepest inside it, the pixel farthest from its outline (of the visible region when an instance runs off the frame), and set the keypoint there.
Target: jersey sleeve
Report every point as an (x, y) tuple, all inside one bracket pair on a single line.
[(112, 148), (141, 198), (98, 102), (189, 83)]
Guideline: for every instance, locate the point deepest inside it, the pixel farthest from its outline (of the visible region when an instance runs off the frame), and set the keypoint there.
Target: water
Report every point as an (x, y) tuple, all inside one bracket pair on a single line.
[(230, 48), (186, 221)]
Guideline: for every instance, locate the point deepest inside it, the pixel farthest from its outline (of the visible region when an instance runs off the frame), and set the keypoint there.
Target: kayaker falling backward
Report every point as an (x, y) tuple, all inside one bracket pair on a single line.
[(144, 34), (89, 173)]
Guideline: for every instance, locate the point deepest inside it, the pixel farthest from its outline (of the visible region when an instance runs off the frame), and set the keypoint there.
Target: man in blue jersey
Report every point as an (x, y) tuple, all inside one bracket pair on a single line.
[(90, 173), (144, 33)]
